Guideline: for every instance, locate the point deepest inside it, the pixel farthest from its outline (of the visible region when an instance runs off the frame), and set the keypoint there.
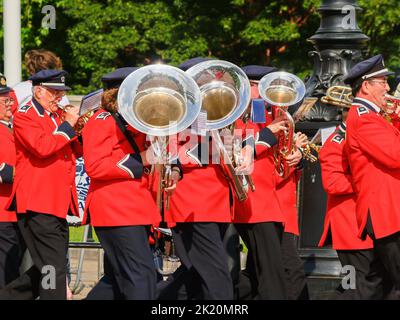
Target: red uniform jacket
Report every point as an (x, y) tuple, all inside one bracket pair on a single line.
[(340, 218), (203, 193), (263, 204), (118, 194), (287, 196), (7, 164), (374, 155), (45, 168)]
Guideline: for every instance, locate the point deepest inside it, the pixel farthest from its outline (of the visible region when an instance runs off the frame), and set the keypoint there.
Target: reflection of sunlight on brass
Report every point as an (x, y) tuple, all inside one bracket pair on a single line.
[(219, 103), (281, 94), (225, 91), (281, 90), (338, 96), (159, 101), (159, 109)]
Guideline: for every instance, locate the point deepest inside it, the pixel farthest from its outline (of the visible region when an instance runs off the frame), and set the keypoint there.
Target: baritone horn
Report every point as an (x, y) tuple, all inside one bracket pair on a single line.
[(160, 101), (281, 90), (339, 96), (225, 91)]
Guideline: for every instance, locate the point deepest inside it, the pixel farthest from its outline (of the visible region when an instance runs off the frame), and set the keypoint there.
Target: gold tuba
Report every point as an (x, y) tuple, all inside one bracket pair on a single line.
[(281, 90), (160, 101), (225, 91)]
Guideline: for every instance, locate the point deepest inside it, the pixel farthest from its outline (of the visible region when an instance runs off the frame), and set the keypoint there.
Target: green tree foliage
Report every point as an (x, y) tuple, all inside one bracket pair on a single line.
[(96, 36)]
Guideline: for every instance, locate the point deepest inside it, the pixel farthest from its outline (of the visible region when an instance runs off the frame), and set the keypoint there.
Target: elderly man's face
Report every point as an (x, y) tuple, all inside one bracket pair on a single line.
[(377, 89), (5, 106), (49, 98)]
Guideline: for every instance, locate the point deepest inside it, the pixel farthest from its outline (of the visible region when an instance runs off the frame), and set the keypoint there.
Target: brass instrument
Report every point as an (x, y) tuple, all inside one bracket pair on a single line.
[(339, 96), (392, 103), (307, 151), (225, 90), (89, 105), (160, 101), (80, 124), (281, 90)]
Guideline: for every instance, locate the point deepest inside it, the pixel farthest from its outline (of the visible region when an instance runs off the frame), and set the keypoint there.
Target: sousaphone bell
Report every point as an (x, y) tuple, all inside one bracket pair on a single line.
[(160, 101)]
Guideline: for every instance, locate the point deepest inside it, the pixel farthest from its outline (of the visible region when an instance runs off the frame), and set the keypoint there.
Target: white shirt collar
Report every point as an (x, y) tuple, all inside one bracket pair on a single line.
[(5, 123), (373, 105)]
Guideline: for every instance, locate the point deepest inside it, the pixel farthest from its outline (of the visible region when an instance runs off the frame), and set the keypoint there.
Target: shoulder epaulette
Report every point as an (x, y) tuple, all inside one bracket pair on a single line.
[(362, 110), (24, 108), (103, 115), (338, 138)]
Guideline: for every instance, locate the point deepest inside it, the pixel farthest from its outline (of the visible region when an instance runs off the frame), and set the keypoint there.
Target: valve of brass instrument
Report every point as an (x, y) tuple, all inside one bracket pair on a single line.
[(80, 124), (306, 147), (70, 114), (308, 152)]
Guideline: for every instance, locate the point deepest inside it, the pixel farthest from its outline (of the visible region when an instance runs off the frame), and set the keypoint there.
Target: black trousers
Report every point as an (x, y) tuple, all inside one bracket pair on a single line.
[(205, 271), (130, 263), (106, 288), (371, 281), (11, 250), (46, 238), (265, 273), (296, 281), (387, 250)]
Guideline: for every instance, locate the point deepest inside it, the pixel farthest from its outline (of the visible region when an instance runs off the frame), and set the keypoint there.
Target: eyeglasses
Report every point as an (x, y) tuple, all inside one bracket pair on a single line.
[(57, 93), (384, 82), (7, 101)]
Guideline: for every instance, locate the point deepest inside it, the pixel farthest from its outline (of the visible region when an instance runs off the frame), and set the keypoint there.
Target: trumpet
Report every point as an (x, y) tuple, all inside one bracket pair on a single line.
[(80, 124), (89, 105), (392, 103)]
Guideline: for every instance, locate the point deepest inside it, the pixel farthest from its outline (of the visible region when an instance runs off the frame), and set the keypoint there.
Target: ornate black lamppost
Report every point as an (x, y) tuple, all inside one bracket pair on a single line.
[(339, 44)]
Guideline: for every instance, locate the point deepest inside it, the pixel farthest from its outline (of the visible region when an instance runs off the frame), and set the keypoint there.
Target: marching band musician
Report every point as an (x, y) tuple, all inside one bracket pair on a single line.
[(373, 146), (340, 226), (10, 252), (36, 60), (119, 203), (200, 208), (44, 186), (259, 220), (286, 189)]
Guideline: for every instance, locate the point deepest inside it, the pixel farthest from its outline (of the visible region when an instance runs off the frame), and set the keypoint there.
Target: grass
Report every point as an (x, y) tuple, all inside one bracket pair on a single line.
[(76, 234)]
